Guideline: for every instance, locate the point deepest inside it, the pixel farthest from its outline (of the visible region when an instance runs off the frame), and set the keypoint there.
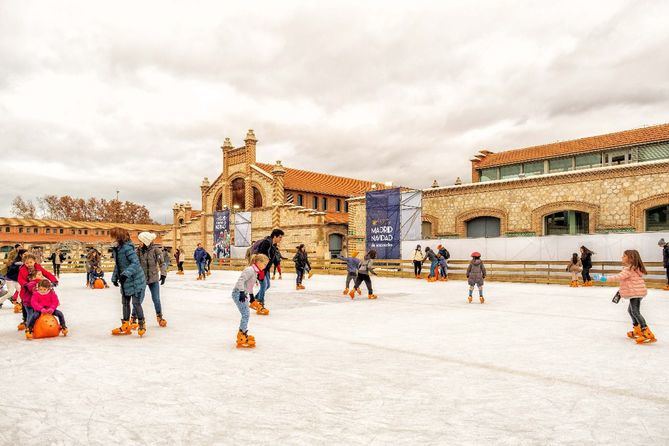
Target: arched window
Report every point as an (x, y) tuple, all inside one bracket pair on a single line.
[(426, 230), (218, 206), (336, 243), (483, 227), (656, 218), (257, 198), (567, 223), (238, 192), (181, 221)]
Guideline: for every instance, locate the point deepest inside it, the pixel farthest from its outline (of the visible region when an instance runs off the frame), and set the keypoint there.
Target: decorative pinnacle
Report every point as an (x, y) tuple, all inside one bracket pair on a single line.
[(226, 144), (250, 136), (435, 184), (458, 181)]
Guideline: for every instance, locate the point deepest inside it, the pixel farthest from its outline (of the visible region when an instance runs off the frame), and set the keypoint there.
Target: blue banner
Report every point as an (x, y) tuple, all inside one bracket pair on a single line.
[(222, 234), (383, 223)]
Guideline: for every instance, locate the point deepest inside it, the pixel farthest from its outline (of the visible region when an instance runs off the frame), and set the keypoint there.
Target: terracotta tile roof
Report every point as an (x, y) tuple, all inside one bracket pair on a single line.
[(336, 218), (39, 223), (590, 144), (321, 183)]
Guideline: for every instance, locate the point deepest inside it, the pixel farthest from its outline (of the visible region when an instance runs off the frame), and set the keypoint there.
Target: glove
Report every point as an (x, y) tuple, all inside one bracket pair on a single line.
[(115, 282), (242, 296), (162, 279), (599, 277), (122, 279)]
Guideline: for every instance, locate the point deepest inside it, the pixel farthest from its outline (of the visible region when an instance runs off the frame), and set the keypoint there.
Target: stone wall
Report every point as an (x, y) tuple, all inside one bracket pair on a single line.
[(616, 199)]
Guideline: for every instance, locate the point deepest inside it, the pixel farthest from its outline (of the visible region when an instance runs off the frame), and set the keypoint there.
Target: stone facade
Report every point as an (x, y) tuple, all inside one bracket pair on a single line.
[(615, 198)]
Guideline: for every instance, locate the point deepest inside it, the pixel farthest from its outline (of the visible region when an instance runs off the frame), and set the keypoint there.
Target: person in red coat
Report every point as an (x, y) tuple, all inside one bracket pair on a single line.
[(30, 264), (44, 301)]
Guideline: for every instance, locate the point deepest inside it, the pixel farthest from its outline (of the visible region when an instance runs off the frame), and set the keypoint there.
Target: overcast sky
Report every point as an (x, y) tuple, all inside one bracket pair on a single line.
[(138, 96)]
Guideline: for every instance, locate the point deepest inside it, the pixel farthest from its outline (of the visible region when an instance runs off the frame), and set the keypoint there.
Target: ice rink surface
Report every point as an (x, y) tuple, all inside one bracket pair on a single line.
[(535, 364)]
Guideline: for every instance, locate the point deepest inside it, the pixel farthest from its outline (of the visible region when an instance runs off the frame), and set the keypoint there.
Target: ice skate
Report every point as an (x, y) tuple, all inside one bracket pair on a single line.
[(352, 293), (646, 337), (346, 291), (310, 275), (133, 324), (299, 287), (18, 307), (372, 296), (635, 333), (470, 299), (481, 299), (262, 310), (29, 334), (124, 329), (21, 326), (255, 305), (162, 322), (274, 277), (359, 291), (244, 340), (280, 278), (666, 287), (199, 277), (64, 331), (142, 328)]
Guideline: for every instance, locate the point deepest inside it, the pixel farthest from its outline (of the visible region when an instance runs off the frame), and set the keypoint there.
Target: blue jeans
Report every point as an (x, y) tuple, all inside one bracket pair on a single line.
[(243, 308), (154, 288), (264, 286), (300, 275), (433, 265), (201, 268)]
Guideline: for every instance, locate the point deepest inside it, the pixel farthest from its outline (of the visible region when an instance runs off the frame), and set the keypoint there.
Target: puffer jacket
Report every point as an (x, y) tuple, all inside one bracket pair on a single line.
[(166, 263), (476, 272), (631, 283), (39, 301), (248, 278), (586, 260), (301, 260), (200, 255), (418, 256), (575, 267), (127, 265), (151, 260)]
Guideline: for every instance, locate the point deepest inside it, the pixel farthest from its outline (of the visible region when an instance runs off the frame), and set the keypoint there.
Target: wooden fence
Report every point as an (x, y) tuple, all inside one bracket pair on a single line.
[(548, 272)]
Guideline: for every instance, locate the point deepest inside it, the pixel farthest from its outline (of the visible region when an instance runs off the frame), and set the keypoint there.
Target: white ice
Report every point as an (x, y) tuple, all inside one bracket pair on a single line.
[(534, 365)]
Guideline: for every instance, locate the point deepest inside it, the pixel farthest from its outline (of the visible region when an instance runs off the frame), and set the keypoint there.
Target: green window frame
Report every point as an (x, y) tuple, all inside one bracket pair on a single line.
[(560, 165), (512, 171), (534, 168), (490, 174)]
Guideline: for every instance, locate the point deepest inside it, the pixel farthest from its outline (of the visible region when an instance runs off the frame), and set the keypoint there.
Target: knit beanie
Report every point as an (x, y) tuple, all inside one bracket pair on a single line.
[(146, 237), (661, 242)]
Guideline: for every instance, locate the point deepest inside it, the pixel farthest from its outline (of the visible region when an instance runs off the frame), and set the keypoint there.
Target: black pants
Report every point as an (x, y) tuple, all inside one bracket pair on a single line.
[(300, 275), (586, 274), (667, 276), (364, 278), (56, 269), (136, 305), (417, 267), (350, 277), (180, 266), (36, 314), (634, 310)]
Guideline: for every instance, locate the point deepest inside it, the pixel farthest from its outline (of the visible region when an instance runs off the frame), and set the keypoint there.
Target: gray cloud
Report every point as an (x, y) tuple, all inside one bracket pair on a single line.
[(139, 96)]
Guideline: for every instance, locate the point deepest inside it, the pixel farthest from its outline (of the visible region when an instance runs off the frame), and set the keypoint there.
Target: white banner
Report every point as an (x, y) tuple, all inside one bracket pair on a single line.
[(242, 225), (411, 216)]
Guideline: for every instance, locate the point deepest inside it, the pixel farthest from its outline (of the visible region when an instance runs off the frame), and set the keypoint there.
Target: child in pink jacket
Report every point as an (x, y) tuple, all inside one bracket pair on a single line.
[(44, 300), (633, 287)]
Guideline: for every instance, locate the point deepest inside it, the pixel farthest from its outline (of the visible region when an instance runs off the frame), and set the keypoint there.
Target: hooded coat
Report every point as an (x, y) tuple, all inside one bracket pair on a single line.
[(476, 272), (127, 265), (151, 260)]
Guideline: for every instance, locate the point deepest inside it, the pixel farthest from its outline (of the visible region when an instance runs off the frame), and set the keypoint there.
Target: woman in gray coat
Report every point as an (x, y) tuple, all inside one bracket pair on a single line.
[(151, 260), (475, 276)]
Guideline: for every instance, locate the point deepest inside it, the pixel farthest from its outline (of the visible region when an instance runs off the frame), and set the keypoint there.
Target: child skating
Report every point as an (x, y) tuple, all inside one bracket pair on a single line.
[(352, 265), (240, 296), (301, 266), (44, 301), (574, 267), (475, 276), (633, 287), (364, 270)]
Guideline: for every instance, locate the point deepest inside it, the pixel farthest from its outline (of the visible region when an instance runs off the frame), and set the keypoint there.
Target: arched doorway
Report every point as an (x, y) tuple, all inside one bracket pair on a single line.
[(336, 242), (257, 198), (567, 223), (656, 218), (426, 230), (218, 206), (238, 193), (483, 227)]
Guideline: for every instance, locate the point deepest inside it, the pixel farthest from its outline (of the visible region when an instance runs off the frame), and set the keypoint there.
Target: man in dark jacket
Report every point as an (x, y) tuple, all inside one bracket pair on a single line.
[(200, 256), (665, 259), (267, 246)]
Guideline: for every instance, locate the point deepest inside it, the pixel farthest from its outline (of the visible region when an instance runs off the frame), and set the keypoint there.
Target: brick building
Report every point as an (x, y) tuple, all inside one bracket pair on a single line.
[(310, 207), (617, 182), (73, 236)]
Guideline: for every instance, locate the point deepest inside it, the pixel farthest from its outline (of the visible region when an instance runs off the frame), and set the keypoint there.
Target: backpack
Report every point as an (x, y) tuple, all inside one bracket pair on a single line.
[(256, 246)]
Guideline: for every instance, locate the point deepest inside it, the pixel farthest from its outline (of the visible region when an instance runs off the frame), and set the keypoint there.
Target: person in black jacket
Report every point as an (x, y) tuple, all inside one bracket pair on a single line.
[(301, 260), (586, 263), (268, 247), (665, 259)]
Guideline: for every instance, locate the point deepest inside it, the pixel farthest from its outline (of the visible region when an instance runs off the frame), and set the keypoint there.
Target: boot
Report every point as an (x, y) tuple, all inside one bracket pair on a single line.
[(280, 278), (244, 340), (469, 299), (124, 329), (162, 322), (29, 334), (255, 305), (481, 299), (635, 333), (666, 287), (133, 323), (142, 327), (302, 287), (372, 296), (352, 293), (262, 310), (646, 337), (64, 331), (21, 326), (199, 277), (180, 273), (346, 291)]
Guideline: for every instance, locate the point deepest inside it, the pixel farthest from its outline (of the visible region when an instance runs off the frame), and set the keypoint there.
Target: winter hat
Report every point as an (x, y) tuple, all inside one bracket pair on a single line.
[(661, 242), (476, 254), (146, 237)]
